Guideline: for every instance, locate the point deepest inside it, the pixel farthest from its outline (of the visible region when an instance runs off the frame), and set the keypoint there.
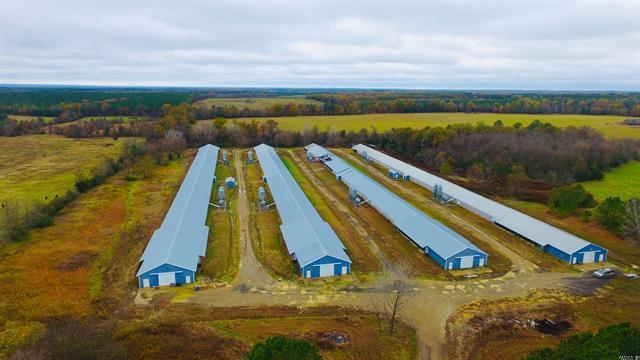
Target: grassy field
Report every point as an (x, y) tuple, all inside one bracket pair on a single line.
[(609, 125), (45, 119), (255, 103), (124, 119), (623, 181), (366, 341), (223, 249), (268, 244), (84, 264), (619, 250), (47, 165), (363, 259)]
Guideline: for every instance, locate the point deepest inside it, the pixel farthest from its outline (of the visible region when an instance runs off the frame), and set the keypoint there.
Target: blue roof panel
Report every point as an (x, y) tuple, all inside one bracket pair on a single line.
[(182, 238), (423, 230), (306, 235)]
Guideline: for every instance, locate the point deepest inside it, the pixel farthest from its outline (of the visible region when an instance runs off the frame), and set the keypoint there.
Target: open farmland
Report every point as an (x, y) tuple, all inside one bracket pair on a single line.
[(87, 258), (255, 103), (608, 125), (48, 165), (45, 119), (623, 181)]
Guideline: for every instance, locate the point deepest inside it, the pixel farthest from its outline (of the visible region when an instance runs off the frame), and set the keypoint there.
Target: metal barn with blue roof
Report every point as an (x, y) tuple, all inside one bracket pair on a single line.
[(446, 247), (311, 242), (176, 248), (557, 242)]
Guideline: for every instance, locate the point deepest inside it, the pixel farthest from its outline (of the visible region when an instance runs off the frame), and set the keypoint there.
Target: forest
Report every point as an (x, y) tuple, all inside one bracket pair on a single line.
[(68, 104)]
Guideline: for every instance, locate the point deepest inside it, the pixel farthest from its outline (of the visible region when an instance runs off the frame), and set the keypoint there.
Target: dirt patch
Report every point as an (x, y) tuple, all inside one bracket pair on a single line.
[(585, 285), (476, 326), (77, 260)]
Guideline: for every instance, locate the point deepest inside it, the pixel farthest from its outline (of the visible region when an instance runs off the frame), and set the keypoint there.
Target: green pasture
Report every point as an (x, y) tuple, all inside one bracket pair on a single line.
[(623, 181)]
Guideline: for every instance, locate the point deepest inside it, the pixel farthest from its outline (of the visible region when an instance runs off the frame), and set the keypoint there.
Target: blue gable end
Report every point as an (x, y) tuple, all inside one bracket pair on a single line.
[(599, 254), (479, 259), (312, 270), (182, 275)]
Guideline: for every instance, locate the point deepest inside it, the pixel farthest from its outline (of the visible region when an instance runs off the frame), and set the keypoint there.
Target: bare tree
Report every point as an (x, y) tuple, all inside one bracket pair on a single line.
[(393, 293)]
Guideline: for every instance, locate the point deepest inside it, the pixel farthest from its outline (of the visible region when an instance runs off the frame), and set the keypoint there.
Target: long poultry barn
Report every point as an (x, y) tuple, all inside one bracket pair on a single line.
[(550, 239), (179, 244), (310, 241), (443, 245)]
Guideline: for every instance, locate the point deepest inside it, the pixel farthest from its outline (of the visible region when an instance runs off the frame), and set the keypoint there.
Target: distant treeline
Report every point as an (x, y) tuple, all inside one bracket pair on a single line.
[(524, 161), (494, 158), (67, 104)]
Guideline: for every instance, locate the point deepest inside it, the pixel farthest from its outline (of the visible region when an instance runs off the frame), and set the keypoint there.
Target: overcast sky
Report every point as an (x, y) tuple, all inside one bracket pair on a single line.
[(429, 44)]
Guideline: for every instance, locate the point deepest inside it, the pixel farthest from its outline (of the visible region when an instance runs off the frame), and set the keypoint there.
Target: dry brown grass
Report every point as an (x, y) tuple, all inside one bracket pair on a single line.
[(240, 327), (486, 327), (113, 221)]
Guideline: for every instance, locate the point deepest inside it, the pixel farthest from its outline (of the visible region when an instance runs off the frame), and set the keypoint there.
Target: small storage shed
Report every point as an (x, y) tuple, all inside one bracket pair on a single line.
[(230, 182), (394, 174)]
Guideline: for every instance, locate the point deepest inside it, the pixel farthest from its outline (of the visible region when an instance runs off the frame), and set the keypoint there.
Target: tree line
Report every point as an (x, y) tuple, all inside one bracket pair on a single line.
[(523, 160), (67, 104)]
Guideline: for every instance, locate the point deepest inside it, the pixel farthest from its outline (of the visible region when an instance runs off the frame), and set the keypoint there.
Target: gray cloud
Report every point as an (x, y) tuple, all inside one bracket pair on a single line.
[(436, 45)]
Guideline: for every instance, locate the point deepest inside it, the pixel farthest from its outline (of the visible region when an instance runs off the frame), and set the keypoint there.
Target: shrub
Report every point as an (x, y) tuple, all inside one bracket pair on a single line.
[(283, 348), (568, 201), (611, 214), (612, 342)]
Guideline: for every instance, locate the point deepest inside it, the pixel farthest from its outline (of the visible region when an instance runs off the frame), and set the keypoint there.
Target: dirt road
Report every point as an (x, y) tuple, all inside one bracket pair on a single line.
[(427, 310), (252, 274)]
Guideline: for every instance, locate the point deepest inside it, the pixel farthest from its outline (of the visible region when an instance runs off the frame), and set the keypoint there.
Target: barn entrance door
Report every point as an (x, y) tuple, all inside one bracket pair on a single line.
[(326, 270), (466, 262), (167, 278), (588, 257)]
